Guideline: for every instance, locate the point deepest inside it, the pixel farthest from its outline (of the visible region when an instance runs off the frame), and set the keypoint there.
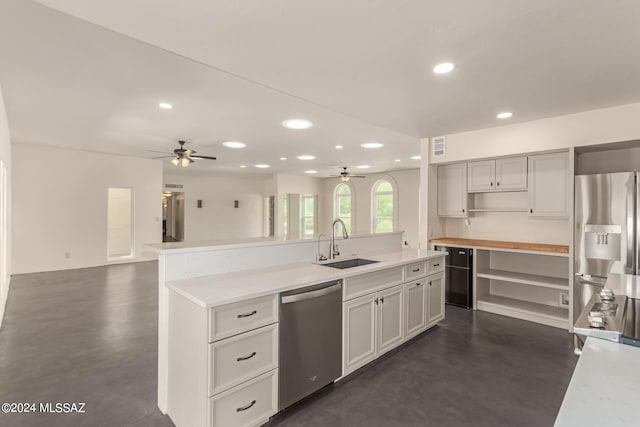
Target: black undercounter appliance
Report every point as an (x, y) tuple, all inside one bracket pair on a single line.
[(459, 276)]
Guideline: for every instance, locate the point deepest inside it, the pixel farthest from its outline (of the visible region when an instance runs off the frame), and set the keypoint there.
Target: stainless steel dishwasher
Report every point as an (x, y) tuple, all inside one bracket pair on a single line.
[(310, 340)]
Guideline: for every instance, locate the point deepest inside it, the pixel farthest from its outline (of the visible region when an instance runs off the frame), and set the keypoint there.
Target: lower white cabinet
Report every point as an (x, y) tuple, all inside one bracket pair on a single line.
[(249, 404), (415, 307), (373, 324), (435, 284)]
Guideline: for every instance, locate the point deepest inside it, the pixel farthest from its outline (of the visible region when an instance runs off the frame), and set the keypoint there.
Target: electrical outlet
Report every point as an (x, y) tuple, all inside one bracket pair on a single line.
[(564, 299)]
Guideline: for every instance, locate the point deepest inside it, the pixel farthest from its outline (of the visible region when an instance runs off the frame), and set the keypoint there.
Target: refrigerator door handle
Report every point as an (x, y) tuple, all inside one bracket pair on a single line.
[(591, 280)]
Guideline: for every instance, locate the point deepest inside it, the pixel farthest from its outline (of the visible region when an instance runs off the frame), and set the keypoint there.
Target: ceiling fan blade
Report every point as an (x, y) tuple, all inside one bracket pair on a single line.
[(154, 151), (357, 176), (202, 157), (162, 157)]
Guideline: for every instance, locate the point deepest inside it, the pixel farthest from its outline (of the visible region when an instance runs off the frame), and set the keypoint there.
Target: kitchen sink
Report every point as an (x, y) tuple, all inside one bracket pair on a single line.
[(349, 263)]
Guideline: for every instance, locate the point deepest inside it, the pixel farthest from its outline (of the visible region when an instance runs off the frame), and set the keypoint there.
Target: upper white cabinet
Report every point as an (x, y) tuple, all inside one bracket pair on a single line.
[(549, 185), (452, 190), (508, 174)]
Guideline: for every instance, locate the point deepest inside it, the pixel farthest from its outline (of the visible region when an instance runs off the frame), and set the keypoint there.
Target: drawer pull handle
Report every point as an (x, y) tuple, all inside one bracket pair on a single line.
[(240, 316), (436, 265), (241, 358), (416, 270), (244, 408), (418, 284)]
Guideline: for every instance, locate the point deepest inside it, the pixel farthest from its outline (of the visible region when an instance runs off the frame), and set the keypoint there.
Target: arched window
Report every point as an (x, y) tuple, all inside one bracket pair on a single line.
[(382, 209), (343, 205)]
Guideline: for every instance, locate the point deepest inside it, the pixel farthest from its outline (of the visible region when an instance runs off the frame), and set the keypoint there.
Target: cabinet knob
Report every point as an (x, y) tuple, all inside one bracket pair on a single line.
[(381, 300), (530, 210), (498, 184), (462, 210), (491, 184), (376, 300)]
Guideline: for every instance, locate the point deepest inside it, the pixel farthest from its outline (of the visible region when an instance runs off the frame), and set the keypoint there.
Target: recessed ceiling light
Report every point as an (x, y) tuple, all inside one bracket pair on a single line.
[(504, 115), (262, 166), (311, 171), (165, 106), (306, 157), (339, 147), (363, 166), (283, 158), (396, 160), (243, 166), (444, 68), (297, 124), (372, 145), (234, 144), (415, 157)]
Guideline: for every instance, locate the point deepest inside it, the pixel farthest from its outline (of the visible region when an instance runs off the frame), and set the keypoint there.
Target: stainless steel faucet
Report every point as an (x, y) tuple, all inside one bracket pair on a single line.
[(333, 249)]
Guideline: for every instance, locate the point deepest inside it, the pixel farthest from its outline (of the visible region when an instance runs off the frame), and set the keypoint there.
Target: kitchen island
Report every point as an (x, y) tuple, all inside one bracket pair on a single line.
[(219, 317)]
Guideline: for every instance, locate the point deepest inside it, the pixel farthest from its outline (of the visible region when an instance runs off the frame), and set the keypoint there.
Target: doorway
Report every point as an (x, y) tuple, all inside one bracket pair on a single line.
[(172, 216)]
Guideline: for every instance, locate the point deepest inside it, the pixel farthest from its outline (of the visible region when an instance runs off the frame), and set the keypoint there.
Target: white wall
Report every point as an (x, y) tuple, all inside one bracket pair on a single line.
[(218, 218), (407, 186), (60, 206), (5, 231), (573, 130)]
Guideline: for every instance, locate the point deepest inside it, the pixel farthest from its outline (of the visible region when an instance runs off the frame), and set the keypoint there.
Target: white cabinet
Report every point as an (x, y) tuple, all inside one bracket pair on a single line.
[(415, 307), (435, 298), (373, 325), (359, 335), (452, 190), (390, 319), (223, 362), (549, 185), (508, 174)]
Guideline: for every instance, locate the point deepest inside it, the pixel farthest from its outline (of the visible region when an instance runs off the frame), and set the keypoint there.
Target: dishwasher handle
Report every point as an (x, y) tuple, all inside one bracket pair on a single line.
[(311, 294)]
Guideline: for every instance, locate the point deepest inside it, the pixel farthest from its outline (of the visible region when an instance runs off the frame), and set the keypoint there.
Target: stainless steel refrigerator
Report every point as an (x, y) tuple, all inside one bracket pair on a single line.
[(606, 231)]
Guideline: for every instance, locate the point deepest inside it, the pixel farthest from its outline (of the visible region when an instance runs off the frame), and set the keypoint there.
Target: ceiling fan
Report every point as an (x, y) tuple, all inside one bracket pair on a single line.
[(182, 156), (345, 175)]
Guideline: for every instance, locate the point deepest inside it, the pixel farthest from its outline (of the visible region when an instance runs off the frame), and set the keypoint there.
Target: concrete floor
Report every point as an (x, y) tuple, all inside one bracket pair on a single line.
[(90, 336)]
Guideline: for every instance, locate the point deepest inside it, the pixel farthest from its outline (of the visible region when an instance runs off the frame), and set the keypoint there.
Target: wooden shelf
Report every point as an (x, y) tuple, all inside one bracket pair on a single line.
[(525, 279), (533, 312), (495, 244)]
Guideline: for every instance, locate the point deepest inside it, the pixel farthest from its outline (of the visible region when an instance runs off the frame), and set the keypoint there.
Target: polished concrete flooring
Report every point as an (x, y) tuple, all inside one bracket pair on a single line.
[(90, 336)]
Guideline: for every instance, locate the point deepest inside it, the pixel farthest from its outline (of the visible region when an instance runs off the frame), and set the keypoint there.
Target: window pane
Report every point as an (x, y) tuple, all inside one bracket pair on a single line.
[(383, 186), (384, 226), (344, 206), (343, 189), (384, 205)]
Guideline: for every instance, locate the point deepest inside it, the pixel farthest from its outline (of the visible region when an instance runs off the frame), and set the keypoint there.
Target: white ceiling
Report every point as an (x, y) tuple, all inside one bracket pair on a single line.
[(359, 69)]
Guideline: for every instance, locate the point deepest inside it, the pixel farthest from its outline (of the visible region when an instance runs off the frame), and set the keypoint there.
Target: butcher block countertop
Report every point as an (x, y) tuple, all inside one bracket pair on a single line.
[(520, 246)]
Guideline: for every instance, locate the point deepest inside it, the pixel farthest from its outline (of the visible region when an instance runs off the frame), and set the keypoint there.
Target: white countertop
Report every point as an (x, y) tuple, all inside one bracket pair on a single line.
[(604, 388), (220, 289)]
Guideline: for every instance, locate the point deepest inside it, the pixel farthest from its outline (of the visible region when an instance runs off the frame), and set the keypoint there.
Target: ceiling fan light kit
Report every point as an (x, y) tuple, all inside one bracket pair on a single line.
[(183, 156), (345, 176)]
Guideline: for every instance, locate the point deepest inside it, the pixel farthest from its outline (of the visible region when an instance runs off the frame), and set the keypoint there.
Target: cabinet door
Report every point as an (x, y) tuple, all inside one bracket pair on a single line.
[(452, 190), (435, 299), (481, 176), (511, 173), (359, 337), (415, 314), (549, 185), (390, 319)]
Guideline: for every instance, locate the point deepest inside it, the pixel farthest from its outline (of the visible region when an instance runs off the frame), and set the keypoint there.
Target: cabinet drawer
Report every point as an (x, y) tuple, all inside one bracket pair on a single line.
[(232, 319), (370, 282), (435, 265), (249, 404), (242, 357), (417, 269)]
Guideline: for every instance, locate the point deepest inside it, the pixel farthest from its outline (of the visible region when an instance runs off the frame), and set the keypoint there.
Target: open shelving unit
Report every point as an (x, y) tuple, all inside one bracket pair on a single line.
[(510, 284)]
